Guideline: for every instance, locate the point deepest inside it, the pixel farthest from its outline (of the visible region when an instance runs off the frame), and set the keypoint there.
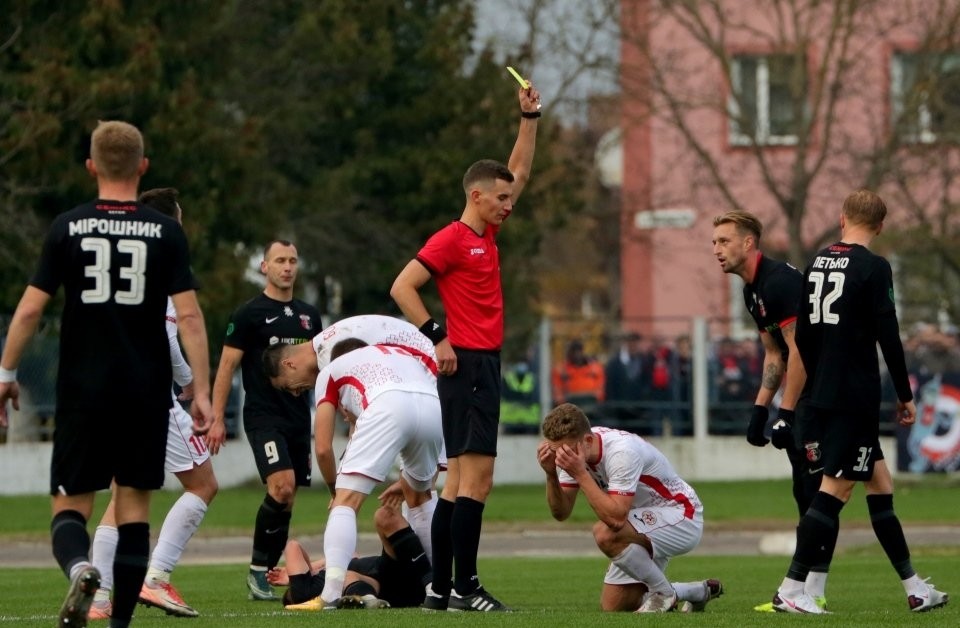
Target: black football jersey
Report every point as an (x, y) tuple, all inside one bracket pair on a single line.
[(256, 325), (117, 262), (849, 290), (773, 298)]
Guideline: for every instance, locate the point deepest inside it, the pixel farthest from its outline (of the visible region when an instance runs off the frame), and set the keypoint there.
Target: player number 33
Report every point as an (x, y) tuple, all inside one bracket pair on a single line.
[(99, 271)]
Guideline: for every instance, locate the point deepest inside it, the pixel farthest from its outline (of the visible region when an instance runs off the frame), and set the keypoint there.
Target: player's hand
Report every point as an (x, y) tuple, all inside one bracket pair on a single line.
[(572, 459), (906, 413), (8, 391), (186, 393), (392, 496), (782, 433), (216, 435), (529, 98), (446, 358), (202, 413), (758, 421), (547, 458), (278, 577)]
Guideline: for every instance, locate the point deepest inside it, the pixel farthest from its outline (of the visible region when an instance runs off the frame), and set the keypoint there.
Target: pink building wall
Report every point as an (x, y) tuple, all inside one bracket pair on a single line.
[(671, 272)]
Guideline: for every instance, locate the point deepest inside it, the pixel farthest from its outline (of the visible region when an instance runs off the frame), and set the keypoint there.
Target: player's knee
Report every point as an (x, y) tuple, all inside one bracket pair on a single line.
[(282, 493)]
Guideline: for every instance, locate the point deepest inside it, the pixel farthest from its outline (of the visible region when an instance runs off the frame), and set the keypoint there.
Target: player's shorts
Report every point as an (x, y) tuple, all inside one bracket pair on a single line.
[(276, 449), (395, 423), (91, 448), (398, 584), (470, 399), (850, 445), (185, 450), (304, 586), (670, 533)]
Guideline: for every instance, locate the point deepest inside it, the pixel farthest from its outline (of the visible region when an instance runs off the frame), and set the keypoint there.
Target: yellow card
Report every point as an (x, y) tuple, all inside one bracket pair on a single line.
[(523, 82)]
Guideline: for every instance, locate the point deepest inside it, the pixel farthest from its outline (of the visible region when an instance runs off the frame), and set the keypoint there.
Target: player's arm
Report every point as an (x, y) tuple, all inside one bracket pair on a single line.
[(796, 374), (612, 509), (323, 428), (229, 360), (560, 498), (182, 373), (521, 158), (406, 293), (773, 369), (22, 327), (193, 332)]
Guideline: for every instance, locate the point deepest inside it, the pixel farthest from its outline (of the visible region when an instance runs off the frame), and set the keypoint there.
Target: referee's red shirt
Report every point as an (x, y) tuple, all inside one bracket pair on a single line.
[(466, 267)]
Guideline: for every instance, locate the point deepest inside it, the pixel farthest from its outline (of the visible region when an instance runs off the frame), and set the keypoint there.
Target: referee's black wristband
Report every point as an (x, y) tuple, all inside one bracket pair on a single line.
[(530, 114), (434, 331)]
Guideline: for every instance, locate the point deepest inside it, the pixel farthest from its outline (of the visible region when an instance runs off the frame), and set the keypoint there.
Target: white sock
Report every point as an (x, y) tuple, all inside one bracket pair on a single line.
[(178, 527), (76, 568), (914, 585), (816, 584), (791, 587), (339, 544), (420, 519), (691, 591), (104, 549), (637, 563)]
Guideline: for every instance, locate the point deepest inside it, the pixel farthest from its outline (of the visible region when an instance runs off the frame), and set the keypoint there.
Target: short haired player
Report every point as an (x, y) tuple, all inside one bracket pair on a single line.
[(647, 513), (389, 396)]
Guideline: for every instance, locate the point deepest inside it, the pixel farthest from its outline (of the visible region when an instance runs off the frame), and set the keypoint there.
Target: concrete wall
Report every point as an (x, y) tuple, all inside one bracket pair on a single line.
[(25, 467)]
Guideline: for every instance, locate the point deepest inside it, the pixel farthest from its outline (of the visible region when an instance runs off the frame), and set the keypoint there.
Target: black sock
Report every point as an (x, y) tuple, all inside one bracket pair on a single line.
[(70, 539), (270, 533), (465, 526), (409, 550), (129, 567), (816, 536), (359, 587), (889, 532), (442, 560)]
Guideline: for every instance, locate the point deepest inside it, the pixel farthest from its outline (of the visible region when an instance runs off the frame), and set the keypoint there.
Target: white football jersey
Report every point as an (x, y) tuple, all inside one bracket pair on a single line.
[(629, 465), (356, 378), (373, 329)]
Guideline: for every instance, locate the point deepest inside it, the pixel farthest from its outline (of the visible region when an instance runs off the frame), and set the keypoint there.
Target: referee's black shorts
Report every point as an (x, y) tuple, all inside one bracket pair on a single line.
[(470, 402)]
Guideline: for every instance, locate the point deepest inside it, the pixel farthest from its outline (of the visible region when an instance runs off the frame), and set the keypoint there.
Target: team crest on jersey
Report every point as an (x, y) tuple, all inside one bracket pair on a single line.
[(813, 451), (763, 309), (305, 322)]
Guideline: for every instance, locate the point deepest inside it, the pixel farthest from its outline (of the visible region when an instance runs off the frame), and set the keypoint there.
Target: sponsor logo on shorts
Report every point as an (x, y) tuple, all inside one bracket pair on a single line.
[(648, 517)]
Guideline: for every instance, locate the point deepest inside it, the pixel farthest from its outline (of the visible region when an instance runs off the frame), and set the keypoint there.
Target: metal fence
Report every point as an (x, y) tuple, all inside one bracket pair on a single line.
[(700, 380)]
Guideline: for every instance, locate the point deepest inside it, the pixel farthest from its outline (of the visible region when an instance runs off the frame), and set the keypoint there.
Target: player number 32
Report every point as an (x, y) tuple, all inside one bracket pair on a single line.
[(819, 304)]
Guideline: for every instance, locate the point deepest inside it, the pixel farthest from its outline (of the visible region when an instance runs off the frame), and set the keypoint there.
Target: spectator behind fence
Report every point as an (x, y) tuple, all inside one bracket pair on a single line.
[(520, 400), (628, 370), (579, 378)]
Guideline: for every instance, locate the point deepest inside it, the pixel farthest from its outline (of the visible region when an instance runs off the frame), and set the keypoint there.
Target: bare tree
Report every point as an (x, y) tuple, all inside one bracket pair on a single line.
[(781, 107)]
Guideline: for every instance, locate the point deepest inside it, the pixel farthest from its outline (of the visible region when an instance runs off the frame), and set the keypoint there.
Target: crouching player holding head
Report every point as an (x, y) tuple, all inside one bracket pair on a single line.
[(648, 514)]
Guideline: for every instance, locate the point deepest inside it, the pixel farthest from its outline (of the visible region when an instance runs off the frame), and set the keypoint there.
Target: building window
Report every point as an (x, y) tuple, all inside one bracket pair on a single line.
[(925, 94), (763, 103)]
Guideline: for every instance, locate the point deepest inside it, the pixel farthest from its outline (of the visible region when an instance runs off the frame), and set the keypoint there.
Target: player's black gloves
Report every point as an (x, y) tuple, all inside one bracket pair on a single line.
[(782, 434), (758, 421)]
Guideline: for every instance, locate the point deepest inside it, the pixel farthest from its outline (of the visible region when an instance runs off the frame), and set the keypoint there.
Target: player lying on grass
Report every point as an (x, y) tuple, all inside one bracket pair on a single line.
[(397, 577), (648, 514)]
